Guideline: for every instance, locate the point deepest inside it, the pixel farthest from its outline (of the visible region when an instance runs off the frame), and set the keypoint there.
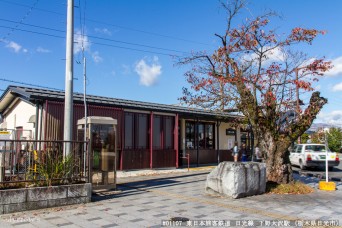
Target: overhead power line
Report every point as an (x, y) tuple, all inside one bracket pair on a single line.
[(141, 45), (102, 44), (96, 37), (114, 25), (22, 20), (28, 84), (132, 49), (27, 6), (35, 26), (39, 33), (147, 32)]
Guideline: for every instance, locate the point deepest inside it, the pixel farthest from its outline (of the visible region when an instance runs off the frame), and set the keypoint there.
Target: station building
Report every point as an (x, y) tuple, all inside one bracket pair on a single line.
[(149, 135)]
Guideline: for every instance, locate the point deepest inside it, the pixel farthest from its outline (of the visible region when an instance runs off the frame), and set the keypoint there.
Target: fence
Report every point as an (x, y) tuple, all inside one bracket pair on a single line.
[(28, 161)]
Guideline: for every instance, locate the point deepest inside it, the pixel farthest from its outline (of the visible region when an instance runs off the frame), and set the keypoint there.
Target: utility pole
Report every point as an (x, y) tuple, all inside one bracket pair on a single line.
[(69, 71), (85, 108)]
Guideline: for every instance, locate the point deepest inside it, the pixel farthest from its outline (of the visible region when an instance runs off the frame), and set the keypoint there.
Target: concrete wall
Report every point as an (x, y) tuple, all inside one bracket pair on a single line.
[(15, 200)]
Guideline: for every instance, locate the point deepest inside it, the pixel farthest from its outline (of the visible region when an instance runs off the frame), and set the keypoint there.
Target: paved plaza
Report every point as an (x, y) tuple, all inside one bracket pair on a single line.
[(158, 200)]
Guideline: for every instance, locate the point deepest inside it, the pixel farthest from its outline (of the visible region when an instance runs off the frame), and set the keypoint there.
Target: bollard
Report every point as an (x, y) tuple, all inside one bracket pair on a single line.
[(188, 155), (188, 158)]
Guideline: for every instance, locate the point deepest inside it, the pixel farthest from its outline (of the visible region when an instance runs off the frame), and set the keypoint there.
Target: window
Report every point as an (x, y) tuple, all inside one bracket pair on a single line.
[(129, 124), (299, 149), (201, 134), (142, 131), (209, 136), (163, 135), (157, 131), (190, 135), (136, 131), (168, 132), (315, 148)]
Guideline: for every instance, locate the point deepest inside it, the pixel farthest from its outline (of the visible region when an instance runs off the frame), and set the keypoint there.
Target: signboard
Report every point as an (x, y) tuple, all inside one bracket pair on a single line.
[(4, 135), (230, 131)]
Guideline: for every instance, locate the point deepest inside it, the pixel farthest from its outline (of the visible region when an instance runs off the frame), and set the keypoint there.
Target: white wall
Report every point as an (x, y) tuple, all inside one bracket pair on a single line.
[(225, 139), (19, 116)]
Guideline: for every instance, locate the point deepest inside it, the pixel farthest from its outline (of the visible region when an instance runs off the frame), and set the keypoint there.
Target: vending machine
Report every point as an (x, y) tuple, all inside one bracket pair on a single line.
[(102, 150)]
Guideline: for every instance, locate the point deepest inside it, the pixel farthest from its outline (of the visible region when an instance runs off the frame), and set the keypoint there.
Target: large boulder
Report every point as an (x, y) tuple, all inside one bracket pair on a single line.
[(236, 180)]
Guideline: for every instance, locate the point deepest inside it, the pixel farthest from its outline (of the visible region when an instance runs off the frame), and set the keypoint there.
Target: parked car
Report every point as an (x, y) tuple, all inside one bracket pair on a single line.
[(313, 155)]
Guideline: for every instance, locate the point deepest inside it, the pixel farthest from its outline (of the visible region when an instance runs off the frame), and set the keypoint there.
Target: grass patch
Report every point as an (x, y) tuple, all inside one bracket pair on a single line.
[(296, 187)]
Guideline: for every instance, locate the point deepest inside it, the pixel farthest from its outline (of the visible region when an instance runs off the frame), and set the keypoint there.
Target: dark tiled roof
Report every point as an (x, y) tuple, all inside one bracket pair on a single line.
[(33, 94)]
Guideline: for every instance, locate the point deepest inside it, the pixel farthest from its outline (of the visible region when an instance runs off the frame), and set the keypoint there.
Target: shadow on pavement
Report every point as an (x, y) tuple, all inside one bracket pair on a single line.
[(322, 169), (313, 181), (145, 184), (306, 179)]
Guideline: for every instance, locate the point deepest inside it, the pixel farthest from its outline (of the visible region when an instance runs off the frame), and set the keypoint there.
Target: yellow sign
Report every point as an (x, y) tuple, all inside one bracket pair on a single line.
[(5, 133)]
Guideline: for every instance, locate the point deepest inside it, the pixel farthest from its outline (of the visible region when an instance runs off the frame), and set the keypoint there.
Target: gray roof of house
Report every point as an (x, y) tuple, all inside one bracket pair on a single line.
[(36, 94)]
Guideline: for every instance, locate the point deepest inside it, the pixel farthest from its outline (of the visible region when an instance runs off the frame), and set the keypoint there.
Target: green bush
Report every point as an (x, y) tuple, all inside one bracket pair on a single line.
[(52, 169)]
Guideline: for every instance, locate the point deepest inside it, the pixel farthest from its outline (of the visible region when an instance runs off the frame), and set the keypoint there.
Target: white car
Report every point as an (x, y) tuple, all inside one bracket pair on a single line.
[(313, 155)]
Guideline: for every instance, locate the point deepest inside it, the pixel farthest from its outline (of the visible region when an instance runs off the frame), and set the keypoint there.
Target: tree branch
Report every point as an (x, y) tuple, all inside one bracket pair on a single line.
[(305, 120)]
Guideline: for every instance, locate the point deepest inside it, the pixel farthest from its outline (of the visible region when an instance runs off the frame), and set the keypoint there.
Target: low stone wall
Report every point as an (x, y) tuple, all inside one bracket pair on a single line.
[(15, 200), (236, 180)]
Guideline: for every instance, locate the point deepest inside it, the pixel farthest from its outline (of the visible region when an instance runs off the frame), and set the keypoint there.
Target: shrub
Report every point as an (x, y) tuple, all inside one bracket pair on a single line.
[(52, 169)]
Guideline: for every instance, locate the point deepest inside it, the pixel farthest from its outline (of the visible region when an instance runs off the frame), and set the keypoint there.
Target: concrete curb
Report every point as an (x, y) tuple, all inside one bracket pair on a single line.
[(319, 176), (155, 172), (148, 172)]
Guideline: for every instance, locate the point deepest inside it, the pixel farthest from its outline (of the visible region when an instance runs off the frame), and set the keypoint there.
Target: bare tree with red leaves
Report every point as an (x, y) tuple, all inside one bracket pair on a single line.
[(257, 72)]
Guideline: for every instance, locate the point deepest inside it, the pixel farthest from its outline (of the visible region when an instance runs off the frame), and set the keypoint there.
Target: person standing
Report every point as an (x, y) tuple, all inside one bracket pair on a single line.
[(258, 156), (243, 153), (235, 152)]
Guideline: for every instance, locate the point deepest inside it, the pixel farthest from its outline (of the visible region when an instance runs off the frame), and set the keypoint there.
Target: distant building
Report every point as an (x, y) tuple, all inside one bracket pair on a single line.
[(150, 135)]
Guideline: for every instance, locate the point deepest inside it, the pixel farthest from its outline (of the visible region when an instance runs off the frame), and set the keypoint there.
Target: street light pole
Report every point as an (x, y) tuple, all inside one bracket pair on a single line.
[(85, 110), (326, 157), (68, 100)]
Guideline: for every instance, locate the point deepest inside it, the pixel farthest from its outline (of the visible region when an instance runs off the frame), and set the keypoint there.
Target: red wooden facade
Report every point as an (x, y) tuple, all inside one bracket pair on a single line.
[(156, 154), (148, 133)]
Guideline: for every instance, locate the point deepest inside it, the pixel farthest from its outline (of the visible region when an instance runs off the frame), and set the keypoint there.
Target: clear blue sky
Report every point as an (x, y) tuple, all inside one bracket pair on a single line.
[(115, 29)]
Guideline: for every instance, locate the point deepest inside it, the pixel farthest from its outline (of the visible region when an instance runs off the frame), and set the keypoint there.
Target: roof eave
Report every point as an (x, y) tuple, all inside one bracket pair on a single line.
[(6, 100), (33, 94)]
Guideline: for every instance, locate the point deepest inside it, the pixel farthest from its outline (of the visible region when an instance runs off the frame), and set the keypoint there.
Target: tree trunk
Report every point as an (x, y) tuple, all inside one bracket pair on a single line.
[(278, 167)]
